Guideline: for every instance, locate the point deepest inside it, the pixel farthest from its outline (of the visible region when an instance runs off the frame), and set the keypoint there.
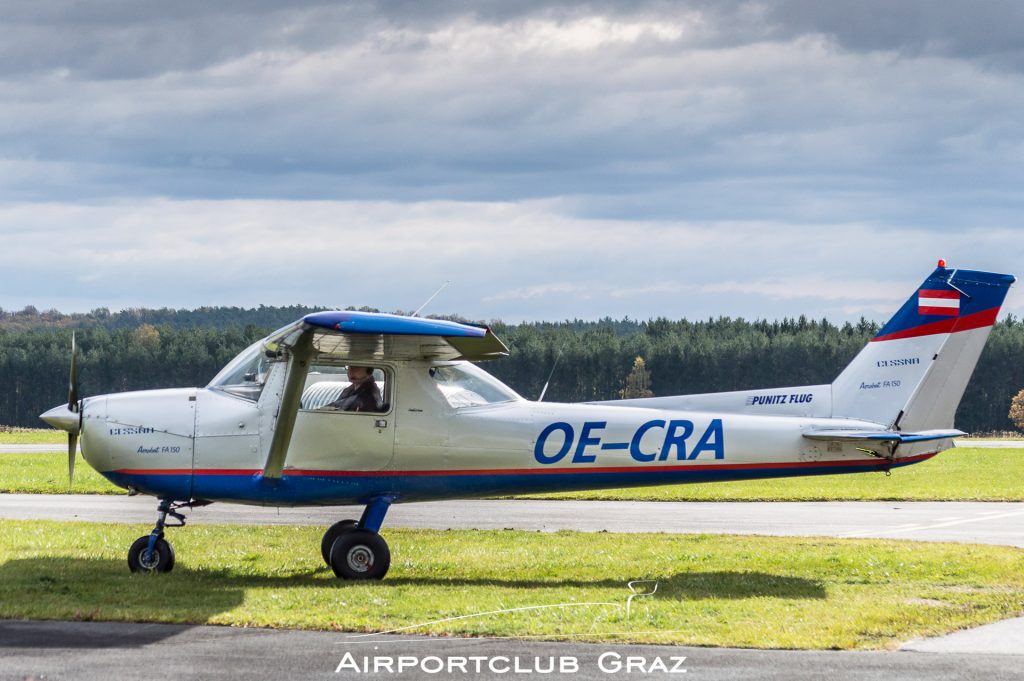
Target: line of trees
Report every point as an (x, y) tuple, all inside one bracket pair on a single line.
[(594, 359)]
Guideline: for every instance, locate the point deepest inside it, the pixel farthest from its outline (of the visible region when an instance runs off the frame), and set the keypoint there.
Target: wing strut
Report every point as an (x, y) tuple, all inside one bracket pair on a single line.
[(298, 368)]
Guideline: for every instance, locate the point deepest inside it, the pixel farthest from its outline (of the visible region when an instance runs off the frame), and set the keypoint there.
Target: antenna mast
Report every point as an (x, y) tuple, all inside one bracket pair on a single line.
[(552, 373), (420, 308)]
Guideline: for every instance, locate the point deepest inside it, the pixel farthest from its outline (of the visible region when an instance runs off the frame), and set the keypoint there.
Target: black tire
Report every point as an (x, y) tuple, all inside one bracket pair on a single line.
[(360, 554), (162, 559), (333, 532)]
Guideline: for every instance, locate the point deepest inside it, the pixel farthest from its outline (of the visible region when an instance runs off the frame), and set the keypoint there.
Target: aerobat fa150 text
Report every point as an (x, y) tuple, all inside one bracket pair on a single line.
[(264, 431)]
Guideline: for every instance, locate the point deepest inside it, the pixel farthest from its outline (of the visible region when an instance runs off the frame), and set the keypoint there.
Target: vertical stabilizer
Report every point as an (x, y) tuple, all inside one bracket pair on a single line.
[(912, 375)]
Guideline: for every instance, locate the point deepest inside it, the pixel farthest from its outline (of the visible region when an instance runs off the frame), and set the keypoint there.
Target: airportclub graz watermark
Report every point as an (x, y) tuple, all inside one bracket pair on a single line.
[(608, 662)]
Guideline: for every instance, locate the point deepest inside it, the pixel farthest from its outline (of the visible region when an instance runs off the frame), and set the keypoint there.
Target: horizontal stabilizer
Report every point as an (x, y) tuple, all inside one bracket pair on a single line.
[(880, 435)]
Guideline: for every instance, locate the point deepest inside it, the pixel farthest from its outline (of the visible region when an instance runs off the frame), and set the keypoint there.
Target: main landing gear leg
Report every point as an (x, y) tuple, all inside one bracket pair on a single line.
[(151, 552), (356, 550)]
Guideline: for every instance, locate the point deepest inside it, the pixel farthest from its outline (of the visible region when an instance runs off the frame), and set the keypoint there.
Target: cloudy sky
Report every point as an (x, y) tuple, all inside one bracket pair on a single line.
[(685, 159)]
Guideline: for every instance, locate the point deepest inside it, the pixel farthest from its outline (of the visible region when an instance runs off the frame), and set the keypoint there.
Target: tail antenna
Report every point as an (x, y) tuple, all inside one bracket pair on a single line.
[(552, 373), (427, 302)]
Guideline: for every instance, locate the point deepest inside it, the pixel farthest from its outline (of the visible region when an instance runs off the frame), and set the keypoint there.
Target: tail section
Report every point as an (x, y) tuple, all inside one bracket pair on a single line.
[(912, 375)]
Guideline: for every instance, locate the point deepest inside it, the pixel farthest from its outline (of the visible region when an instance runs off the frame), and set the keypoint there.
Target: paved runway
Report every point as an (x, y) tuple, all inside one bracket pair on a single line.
[(967, 522), (97, 651), (33, 449)]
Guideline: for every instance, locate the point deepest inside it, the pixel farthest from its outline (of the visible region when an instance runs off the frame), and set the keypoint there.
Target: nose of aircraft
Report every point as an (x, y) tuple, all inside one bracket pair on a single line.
[(63, 418)]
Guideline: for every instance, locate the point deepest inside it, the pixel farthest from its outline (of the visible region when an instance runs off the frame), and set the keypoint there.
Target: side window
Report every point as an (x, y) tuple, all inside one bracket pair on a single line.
[(353, 388), (245, 375), (465, 385)]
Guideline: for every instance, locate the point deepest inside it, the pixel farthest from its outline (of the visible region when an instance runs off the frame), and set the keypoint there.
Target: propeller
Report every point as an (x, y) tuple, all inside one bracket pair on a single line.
[(74, 407), (69, 417)]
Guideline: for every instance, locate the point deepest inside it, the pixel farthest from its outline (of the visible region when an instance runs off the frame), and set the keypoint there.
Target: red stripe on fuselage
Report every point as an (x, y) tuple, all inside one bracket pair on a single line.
[(976, 320), (526, 471)]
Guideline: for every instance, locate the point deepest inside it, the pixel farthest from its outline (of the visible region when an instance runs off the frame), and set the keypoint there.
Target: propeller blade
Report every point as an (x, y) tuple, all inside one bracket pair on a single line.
[(73, 379), (72, 447)]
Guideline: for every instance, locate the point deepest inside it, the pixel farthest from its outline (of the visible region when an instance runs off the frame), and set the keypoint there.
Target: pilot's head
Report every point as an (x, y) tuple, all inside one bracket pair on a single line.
[(359, 374)]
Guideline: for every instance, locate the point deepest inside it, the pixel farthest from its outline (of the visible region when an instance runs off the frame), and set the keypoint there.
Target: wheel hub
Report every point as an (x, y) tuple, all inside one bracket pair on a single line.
[(153, 559), (359, 558)]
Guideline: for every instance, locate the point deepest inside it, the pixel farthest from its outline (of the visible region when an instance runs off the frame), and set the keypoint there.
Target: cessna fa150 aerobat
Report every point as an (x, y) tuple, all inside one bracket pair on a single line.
[(267, 430)]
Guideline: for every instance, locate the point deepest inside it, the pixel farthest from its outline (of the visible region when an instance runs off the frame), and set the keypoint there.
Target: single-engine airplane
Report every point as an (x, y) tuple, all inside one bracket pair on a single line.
[(262, 432)]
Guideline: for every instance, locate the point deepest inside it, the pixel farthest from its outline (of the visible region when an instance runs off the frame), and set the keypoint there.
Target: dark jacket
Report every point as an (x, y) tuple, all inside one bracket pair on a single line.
[(363, 396)]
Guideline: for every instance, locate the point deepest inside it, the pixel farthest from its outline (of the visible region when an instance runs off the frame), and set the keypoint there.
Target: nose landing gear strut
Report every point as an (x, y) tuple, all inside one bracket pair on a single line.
[(151, 552)]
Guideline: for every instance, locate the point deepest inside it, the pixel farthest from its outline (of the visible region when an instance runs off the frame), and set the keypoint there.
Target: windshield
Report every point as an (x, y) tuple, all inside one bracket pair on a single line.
[(245, 375), (465, 385)]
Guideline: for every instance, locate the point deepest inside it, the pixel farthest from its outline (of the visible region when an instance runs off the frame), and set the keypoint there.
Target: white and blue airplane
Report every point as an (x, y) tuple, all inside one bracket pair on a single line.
[(260, 432)]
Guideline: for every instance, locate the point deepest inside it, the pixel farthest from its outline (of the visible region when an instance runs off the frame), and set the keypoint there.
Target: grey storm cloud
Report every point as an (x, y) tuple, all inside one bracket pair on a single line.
[(695, 118), (126, 39), (650, 108)]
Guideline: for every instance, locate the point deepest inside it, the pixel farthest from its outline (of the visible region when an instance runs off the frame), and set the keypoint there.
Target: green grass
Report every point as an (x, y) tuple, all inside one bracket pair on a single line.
[(34, 436), (48, 474), (961, 474), (765, 592)]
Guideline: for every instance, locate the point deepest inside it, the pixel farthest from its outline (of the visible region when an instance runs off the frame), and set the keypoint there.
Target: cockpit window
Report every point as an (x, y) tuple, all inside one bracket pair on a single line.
[(245, 375), (465, 385)]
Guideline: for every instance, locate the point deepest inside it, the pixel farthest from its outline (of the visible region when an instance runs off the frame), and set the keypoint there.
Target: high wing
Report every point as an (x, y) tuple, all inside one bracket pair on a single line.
[(375, 336), (365, 336)]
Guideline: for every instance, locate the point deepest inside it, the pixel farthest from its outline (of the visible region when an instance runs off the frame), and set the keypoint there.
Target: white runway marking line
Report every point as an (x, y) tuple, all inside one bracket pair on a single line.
[(987, 516)]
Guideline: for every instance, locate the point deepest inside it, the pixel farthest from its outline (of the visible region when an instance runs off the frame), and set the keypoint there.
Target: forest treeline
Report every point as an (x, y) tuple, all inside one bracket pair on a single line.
[(143, 349)]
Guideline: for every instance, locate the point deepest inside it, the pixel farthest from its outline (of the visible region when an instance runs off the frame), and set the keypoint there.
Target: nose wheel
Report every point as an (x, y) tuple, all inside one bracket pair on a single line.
[(151, 552), (142, 558)]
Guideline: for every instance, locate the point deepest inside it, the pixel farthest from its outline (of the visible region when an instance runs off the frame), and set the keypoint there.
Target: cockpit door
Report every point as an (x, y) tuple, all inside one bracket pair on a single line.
[(325, 439)]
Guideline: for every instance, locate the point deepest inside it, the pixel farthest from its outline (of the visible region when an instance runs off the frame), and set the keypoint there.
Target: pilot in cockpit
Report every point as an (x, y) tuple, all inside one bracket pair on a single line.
[(363, 393)]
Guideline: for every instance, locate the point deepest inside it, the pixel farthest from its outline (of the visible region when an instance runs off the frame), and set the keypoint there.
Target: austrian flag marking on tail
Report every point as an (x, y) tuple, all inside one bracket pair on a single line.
[(946, 303)]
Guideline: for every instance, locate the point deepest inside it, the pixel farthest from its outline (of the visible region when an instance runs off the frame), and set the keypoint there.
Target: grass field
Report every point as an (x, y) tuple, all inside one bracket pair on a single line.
[(767, 592), (31, 436), (48, 474), (960, 474)]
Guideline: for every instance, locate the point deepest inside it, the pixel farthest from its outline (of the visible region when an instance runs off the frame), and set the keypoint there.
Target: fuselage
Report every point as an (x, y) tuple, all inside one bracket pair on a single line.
[(432, 442), (351, 407)]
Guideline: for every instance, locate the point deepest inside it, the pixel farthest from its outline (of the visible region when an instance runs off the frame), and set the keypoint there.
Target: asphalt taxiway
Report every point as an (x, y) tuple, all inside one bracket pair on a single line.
[(966, 522), (96, 651)]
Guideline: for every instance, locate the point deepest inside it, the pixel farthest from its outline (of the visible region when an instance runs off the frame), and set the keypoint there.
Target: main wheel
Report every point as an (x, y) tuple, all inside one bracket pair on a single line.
[(161, 559), (360, 554), (332, 533)]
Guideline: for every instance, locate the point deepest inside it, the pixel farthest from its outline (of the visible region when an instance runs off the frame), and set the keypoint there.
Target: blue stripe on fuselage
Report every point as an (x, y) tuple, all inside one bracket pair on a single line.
[(312, 490)]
